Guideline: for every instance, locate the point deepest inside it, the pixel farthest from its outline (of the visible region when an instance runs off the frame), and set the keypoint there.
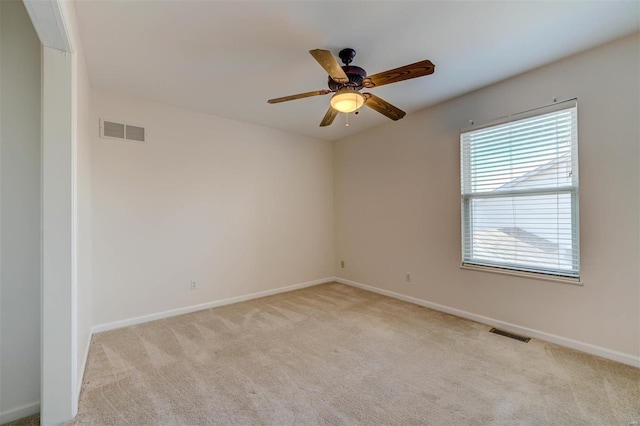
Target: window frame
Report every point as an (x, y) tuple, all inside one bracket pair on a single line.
[(572, 189)]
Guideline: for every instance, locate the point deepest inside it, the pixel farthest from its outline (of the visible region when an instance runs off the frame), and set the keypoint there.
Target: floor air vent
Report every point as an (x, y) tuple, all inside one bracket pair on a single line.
[(511, 335), (114, 130)]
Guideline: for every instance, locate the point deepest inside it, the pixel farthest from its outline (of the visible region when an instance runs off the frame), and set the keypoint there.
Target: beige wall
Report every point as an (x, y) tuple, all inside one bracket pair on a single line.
[(20, 154), (398, 205), (237, 207)]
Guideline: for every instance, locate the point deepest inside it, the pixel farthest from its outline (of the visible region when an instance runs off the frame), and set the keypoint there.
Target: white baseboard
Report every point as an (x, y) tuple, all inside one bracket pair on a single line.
[(613, 355), (188, 309), (20, 412)]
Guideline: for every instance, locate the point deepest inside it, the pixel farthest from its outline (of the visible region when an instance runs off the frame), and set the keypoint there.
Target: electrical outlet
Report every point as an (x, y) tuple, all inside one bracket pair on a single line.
[(342, 264), (407, 277), (194, 285)]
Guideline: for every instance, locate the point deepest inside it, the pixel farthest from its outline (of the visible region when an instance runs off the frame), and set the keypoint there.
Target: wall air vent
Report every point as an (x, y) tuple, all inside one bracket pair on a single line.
[(114, 130), (510, 335)]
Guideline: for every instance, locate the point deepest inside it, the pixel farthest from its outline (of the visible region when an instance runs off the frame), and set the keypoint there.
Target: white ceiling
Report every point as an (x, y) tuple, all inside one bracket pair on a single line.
[(228, 57)]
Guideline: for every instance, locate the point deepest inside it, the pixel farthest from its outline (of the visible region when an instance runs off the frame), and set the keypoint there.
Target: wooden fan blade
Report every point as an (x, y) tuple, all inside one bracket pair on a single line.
[(299, 96), (330, 65), (329, 117), (419, 69), (383, 107)]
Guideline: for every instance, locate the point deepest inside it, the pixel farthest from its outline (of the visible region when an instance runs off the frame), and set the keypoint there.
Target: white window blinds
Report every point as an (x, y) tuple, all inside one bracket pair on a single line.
[(520, 193)]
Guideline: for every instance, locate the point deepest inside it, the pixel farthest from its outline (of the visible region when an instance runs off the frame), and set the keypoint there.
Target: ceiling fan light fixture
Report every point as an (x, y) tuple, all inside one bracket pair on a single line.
[(347, 100)]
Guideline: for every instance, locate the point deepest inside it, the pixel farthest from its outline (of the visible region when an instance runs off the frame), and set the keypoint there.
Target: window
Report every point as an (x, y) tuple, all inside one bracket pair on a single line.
[(520, 193)]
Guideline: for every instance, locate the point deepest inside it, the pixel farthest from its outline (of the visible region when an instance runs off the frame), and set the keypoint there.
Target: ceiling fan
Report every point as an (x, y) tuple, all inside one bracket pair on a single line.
[(347, 81)]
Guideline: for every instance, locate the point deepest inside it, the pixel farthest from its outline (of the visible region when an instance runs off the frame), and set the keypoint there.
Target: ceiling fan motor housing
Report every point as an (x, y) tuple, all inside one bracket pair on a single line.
[(355, 74)]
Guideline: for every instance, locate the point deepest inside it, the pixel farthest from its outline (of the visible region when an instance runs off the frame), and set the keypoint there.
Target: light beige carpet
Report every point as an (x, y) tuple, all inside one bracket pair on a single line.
[(332, 354), (33, 420)]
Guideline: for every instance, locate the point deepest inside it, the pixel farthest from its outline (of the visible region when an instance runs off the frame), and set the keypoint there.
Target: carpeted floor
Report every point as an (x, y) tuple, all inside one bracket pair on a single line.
[(27, 421), (332, 354)]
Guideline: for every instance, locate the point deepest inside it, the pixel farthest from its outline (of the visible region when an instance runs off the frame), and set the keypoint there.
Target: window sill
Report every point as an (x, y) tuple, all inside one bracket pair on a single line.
[(523, 274)]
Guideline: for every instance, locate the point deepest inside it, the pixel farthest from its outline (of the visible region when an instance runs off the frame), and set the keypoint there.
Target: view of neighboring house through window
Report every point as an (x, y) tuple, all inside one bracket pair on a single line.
[(520, 193)]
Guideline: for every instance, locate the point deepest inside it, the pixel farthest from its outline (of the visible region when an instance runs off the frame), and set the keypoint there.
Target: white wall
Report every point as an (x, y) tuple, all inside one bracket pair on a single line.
[(237, 207), (398, 203), (20, 155)]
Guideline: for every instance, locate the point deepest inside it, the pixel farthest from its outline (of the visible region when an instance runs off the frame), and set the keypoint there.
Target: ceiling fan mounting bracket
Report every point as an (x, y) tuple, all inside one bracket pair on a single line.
[(347, 55)]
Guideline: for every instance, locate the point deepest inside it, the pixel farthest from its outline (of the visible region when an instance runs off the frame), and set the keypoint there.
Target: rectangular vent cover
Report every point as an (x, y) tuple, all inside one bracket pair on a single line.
[(511, 335), (134, 133), (113, 130)]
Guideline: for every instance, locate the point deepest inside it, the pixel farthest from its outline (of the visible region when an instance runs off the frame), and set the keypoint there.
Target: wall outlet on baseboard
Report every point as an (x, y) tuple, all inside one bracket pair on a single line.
[(194, 285), (407, 277)]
